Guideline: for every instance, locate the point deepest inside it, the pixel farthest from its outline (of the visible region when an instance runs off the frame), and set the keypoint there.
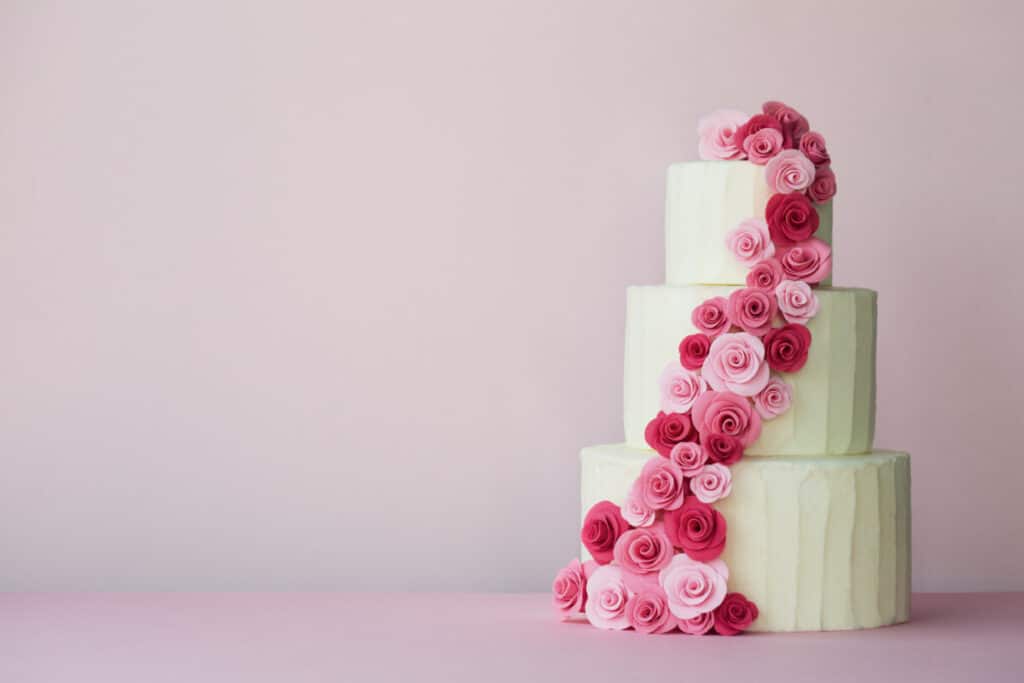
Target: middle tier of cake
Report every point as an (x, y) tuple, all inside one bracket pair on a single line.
[(833, 409)]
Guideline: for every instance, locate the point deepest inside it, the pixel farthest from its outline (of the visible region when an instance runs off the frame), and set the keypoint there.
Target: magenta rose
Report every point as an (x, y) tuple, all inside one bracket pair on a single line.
[(797, 302), (569, 589), (689, 456), (824, 186), (774, 399), (766, 274), (694, 348), (712, 483), (735, 363), (734, 615), (648, 611), (794, 125), (679, 388), (789, 171), (754, 125), (697, 529), (607, 596), (642, 551), (752, 311), (694, 588), (661, 484), (717, 135), (698, 625), (722, 449), (786, 348), (810, 261), (711, 317), (602, 526), (812, 144), (750, 242), (725, 413), (791, 218), (763, 145), (667, 429)]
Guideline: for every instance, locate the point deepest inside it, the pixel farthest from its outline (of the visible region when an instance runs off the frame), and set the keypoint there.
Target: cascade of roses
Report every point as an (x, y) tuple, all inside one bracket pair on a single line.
[(656, 563)]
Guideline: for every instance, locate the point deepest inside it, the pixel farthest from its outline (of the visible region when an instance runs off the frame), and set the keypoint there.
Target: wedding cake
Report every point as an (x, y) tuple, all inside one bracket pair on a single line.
[(748, 494)]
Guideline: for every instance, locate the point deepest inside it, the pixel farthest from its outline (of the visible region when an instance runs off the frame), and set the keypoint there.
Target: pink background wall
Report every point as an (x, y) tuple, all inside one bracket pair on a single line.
[(330, 296)]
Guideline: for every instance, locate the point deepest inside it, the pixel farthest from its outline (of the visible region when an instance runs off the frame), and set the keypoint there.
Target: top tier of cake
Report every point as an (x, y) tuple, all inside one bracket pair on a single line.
[(707, 199)]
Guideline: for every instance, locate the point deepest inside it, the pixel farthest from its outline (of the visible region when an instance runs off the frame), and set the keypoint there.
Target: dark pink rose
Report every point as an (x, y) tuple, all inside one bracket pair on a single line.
[(752, 310), (569, 589), (794, 125), (648, 611), (643, 551), (810, 261), (755, 124), (694, 348), (697, 529), (723, 412), (734, 615), (791, 218), (711, 317), (766, 274), (823, 187), (601, 529), (785, 348), (722, 449), (812, 144), (668, 429)]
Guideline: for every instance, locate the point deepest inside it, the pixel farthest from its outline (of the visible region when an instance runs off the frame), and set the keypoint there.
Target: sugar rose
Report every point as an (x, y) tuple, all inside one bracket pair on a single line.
[(791, 218), (607, 596), (762, 145), (689, 456), (810, 261), (774, 399), (679, 388), (648, 611), (750, 242), (694, 348), (766, 274), (722, 448), (712, 483), (789, 171), (634, 510), (602, 526), (661, 484), (717, 135), (812, 144), (752, 311), (569, 589), (797, 301), (786, 347), (734, 615), (735, 363), (824, 186), (642, 551), (667, 429), (698, 625), (754, 125), (693, 588), (697, 529), (794, 124), (721, 412), (711, 317)]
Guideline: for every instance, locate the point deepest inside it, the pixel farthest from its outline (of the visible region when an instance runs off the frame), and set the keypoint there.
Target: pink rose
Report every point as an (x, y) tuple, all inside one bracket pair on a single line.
[(824, 186), (679, 388), (711, 316), (722, 412), (698, 625), (722, 448), (689, 456), (774, 399), (751, 310), (634, 510), (693, 588), (812, 144), (766, 274), (661, 484), (797, 302), (754, 125), (569, 589), (694, 348), (665, 430), (794, 125), (736, 363), (750, 242), (607, 596), (762, 145), (642, 551), (601, 528), (648, 611), (810, 261), (697, 529), (717, 132), (789, 171), (734, 615), (712, 483)]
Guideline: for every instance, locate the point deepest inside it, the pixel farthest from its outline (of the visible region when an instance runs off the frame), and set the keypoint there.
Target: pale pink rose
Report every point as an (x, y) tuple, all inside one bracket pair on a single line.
[(810, 261), (797, 301), (634, 510), (690, 456), (679, 388), (774, 399), (735, 363), (693, 588), (569, 589), (649, 613), (722, 412), (717, 133), (750, 242), (712, 483), (762, 145), (789, 171), (698, 625), (643, 551), (661, 484), (607, 596)]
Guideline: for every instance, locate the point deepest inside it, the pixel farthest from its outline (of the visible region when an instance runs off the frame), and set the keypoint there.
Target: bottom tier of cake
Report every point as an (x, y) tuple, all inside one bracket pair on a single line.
[(819, 543)]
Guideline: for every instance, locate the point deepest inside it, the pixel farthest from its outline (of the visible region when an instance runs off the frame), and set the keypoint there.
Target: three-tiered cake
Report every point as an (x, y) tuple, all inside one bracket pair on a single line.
[(753, 381)]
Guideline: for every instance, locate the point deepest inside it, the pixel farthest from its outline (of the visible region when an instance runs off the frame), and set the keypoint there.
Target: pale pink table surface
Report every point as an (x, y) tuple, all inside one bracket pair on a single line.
[(299, 637)]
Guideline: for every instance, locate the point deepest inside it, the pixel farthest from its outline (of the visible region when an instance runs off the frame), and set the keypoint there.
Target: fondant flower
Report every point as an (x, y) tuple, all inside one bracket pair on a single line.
[(711, 316), (789, 171), (774, 399), (824, 186), (754, 125), (794, 125), (722, 448), (667, 429), (766, 274), (693, 588), (694, 348), (717, 133), (569, 589), (634, 510), (661, 484), (697, 529), (642, 551), (712, 483), (689, 456), (607, 596), (750, 242), (602, 526), (698, 625), (810, 261), (812, 144), (648, 611), (735, 363), (725, 413), (791, 218), (751, 310), (734, 615), (679, 388), (797, 302), (762, 145), (786, 348)]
